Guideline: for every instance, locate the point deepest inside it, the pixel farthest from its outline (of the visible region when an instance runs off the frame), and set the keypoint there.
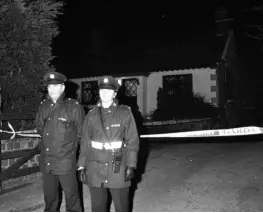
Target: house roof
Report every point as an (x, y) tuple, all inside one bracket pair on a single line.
[(134, 74), (188, 52)]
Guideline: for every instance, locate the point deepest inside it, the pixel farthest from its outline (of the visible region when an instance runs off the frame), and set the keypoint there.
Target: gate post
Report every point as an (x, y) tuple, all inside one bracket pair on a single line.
[(1, 136)]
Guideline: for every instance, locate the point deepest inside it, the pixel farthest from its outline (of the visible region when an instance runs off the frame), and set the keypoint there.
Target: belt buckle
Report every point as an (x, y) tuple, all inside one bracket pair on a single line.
[(104, 146), (107, 146)]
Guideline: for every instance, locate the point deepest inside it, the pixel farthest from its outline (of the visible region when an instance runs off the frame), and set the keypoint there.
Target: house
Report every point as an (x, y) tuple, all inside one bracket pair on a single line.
[(142, 89), (199, 69)]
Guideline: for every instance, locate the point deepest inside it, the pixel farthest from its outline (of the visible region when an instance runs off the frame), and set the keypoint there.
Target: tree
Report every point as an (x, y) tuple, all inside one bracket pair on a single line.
[(26, 32), (249, 16), (254, 26)]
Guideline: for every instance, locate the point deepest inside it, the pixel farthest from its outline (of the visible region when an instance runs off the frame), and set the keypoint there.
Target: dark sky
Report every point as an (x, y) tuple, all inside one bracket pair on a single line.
[(125, 30)]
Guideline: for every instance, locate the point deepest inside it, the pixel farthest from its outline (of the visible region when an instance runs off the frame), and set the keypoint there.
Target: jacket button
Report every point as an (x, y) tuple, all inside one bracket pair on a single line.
[(107, 128), (47, 149), (106, 181), (48, 164), (106, 164), (47, 134), (49, 119)]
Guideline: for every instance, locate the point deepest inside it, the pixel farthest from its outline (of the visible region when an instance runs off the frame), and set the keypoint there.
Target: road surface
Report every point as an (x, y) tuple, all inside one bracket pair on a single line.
[(206, 176)]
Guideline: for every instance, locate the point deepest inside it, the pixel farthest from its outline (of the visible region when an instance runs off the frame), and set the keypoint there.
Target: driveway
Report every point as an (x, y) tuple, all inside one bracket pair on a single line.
[(195, 176)]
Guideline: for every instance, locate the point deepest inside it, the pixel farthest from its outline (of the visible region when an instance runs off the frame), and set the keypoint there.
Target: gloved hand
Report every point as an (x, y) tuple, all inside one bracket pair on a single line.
[(82, 175), (129, 173)]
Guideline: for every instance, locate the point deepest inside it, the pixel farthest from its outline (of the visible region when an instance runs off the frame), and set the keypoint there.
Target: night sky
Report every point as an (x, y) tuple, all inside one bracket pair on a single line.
[(103, 38)]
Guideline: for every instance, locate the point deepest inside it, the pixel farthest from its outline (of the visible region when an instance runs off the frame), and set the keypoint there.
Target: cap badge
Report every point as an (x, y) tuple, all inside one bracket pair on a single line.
[(105, 80), (52, 76)]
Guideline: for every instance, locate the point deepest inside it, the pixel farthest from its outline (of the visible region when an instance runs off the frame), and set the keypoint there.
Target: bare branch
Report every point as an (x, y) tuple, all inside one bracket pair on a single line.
[(255, 8), (18, 67), (255, 37), (257, 25), (224, 20)]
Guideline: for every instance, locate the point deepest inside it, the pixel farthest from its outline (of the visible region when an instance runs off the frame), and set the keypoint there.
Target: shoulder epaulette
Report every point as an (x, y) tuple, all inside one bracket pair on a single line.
[(71, 101), (91, 107), (43, 101), (126, 107), (92, 110)]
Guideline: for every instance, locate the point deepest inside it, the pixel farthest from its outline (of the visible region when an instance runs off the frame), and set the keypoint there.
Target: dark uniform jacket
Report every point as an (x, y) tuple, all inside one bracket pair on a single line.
[(60, 125), (119, 125)]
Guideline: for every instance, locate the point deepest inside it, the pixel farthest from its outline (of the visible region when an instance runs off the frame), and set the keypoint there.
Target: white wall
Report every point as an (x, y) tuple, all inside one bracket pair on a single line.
[(148, 86), (140, 91), (79, 81), (141, 94), (201, 84)]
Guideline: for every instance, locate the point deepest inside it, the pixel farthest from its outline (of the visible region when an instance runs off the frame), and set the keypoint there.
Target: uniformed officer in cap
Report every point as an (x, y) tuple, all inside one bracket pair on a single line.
[(109, 147), (59, 121), (108, 82), (55, 78)]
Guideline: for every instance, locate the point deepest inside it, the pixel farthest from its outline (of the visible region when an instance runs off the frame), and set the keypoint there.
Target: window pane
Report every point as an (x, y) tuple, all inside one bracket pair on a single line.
[(90, 93)]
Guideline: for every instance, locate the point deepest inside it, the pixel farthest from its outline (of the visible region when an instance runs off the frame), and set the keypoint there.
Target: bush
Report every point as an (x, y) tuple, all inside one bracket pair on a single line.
[(178, 106)]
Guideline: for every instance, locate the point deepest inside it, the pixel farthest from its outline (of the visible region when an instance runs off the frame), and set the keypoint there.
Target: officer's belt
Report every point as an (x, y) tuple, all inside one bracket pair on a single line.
[(108, 146)]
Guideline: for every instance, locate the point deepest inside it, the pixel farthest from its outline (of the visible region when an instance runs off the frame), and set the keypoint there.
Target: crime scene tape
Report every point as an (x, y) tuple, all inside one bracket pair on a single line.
[(249, 130), (24, 133)]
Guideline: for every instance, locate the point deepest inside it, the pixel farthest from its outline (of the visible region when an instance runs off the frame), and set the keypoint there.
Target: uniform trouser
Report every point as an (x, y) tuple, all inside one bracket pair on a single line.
[(99, 199), (70, 188)]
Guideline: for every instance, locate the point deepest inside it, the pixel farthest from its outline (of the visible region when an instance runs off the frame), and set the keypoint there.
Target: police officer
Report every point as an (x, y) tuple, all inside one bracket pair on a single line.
[(109, 147), (59, 121)]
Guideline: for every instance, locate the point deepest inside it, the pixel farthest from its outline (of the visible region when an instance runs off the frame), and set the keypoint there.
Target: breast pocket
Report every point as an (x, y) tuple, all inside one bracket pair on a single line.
[(62, 125)]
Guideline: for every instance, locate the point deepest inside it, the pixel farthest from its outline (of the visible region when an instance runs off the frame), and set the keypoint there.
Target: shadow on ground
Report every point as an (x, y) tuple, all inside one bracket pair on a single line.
[(143, 156), (4, 191)]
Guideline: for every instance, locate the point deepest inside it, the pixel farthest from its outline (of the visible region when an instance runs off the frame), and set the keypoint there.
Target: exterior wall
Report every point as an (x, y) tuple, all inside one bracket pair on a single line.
[(79, 81), (141, 95), (19, 144), (140, 91), (204, 83)]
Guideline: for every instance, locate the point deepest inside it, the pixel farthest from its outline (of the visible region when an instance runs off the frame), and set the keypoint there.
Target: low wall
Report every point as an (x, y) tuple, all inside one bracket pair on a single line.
[(182, 125)]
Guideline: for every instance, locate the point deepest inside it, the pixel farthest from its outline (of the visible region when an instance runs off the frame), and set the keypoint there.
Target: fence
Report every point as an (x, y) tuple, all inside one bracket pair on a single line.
[(22, 156)]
